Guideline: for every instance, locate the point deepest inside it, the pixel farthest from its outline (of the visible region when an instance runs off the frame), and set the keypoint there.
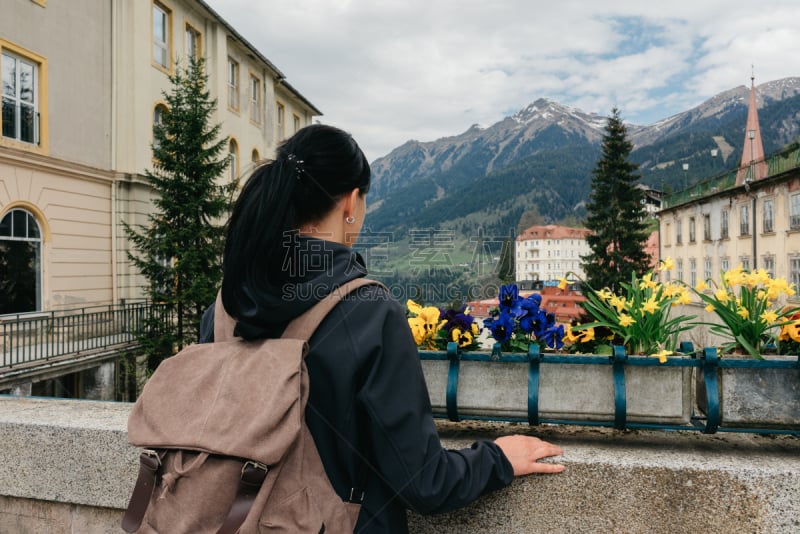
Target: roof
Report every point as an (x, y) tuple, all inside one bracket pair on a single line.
[(552, 231), (279, 76)]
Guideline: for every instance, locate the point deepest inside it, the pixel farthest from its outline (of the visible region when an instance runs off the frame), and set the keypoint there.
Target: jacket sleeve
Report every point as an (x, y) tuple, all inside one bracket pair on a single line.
[(408, 451)]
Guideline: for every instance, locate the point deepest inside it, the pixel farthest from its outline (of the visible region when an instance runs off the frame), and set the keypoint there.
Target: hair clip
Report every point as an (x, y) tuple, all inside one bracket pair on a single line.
[(298, 165)]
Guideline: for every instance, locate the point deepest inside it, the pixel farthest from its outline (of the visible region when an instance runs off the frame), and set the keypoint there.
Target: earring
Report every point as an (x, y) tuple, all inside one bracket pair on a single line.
[(350, 220)]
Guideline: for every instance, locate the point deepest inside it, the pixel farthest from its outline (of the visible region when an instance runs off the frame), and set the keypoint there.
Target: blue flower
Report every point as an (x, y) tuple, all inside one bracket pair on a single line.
[(553, 336), (509, 300), (501, 326)]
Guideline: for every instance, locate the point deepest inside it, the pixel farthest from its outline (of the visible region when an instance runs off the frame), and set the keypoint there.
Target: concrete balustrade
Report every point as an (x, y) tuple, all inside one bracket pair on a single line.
[(66, 466)]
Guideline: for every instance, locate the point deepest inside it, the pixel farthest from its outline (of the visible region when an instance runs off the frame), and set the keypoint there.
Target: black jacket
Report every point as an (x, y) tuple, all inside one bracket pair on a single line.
[(368, 402)]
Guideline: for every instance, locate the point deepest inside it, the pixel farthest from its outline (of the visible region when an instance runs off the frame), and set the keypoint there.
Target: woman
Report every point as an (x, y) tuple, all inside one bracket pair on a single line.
[(288, 245)]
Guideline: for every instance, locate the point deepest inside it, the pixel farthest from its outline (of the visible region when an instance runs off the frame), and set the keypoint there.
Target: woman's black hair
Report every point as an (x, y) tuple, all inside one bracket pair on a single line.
[(312, 170)]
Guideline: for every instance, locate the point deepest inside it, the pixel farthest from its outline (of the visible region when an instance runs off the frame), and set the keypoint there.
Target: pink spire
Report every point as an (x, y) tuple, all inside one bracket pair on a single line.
[(753, 166)]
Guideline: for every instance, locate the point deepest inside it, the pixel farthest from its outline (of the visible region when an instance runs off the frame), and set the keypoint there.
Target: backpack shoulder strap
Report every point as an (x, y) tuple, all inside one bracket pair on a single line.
[(303, 327), (223, 323)]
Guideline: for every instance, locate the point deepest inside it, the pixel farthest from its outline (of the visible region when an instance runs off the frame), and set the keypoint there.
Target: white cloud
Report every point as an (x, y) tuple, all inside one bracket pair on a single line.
[(412, 69)]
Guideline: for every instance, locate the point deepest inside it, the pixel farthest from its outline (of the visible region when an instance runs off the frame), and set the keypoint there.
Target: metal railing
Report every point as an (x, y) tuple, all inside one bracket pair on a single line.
[(706, 362), (778, 163), (39, 336)]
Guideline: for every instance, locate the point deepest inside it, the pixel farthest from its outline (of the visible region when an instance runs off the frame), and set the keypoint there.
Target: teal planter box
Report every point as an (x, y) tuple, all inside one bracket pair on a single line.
[(500, 387)]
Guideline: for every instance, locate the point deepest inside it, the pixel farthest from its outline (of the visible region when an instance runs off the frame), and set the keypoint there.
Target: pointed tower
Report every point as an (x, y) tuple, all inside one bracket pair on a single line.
[(753, 167)]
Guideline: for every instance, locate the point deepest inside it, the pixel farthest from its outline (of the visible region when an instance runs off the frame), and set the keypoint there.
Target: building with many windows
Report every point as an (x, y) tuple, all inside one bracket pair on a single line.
[(550, 252), (82, 85), (749, 216)]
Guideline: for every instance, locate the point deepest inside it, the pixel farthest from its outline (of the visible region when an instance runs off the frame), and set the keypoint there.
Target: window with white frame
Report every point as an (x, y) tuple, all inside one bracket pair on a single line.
[(723, 225), (280, 119), (794, 271), (745, 261), (21, 252), (767, 222), (20, 98), (679, 269), (691, 230), (161, 24), (744, 220), (192, 42), (233, 155), (707, 269), (158, 119), (693, 272), (769, 265), (678, 232), (233, 84), (794, 211), (707, 227), (255, 99), (725, 264)]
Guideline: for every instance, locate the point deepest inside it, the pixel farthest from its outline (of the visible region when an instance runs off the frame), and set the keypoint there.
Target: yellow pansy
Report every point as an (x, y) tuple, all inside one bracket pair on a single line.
[(463, 339), (569, 335), (588, 335), (413, 307)]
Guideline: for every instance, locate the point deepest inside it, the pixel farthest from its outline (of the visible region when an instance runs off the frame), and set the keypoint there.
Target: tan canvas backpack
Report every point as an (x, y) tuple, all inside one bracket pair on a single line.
[(226, 445)]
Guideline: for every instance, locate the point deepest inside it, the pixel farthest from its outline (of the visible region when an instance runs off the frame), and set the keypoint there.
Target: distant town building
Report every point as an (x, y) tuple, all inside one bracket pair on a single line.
[(550, 252), (749, 216), (651, 200), (82, 89)]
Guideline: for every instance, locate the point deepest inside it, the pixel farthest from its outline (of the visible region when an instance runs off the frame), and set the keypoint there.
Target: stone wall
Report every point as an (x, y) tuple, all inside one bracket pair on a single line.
[(66, 466)]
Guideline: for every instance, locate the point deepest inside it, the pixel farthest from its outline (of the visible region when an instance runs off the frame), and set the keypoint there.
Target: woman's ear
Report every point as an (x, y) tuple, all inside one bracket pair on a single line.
[(350, 203)]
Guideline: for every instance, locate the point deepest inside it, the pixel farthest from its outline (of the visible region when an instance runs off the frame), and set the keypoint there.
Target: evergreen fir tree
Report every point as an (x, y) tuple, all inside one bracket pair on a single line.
[(505, 269), (615, 214), (180, 251)]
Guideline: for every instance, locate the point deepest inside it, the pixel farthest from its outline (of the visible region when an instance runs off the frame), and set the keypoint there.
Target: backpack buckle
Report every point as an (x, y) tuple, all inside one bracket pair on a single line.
[(252, 464)]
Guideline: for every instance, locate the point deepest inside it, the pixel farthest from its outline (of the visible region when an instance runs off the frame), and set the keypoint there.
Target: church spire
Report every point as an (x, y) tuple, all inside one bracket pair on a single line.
[(753, 166)]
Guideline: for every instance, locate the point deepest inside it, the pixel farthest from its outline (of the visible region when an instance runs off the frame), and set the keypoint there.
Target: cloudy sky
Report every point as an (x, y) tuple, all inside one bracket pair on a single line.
[(393, 70)]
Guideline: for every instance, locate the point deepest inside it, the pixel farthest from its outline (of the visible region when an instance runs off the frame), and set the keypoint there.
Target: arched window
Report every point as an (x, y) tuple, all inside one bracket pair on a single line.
[(158, 119), (233, 150), (20, 262)]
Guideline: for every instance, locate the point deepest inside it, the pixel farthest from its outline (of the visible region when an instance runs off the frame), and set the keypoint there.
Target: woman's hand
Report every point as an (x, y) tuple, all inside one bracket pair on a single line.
[(524, 453)]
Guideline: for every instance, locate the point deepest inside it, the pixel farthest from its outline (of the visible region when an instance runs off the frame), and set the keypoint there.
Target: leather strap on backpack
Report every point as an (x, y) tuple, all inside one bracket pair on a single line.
[(149, 467), (303, 327), (253, 475)]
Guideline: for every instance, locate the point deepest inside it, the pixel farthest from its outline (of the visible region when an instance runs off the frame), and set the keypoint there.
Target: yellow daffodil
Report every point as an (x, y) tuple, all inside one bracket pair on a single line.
[(647, 281), (650, 305), (769, 316), (604, 294), (662, 355), (617, 302), (684, 298), (701, 286), (734, 276), (667, 264), (709, 308), (625, 320), (562, 284), (743, 313), (722, 296)]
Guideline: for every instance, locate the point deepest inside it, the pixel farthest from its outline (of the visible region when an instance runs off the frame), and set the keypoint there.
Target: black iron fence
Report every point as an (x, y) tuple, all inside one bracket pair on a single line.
[(32, 337)]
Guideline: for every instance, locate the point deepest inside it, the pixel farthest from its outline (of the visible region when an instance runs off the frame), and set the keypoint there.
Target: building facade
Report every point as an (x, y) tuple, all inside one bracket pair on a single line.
[(77, 128), (550, 252), (748, 216)]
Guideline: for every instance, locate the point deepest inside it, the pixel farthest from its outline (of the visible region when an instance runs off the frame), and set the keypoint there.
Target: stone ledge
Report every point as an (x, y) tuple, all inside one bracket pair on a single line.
[(61, 452)]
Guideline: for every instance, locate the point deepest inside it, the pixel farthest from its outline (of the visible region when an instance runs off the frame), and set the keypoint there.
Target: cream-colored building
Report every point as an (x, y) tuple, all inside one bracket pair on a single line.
[(749, 216), (550, 252), (82, 85)]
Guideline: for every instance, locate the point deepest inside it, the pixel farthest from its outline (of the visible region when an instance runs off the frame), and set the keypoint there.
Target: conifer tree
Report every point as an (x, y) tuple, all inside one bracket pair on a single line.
[(615, 213), (179, 251), (505, 269)]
